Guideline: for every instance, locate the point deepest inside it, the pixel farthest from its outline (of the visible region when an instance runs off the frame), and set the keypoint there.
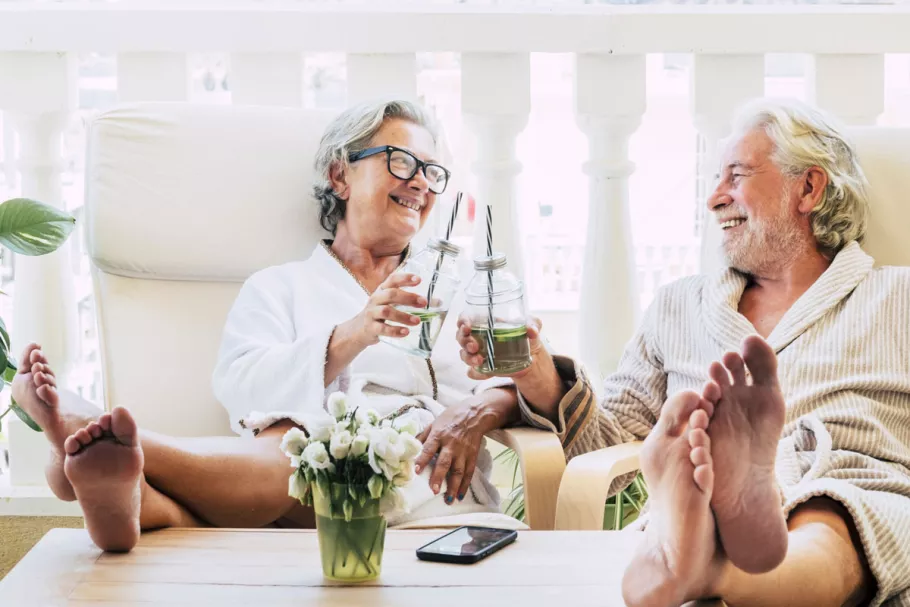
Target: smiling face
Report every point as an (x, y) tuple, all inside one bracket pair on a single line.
[(382, 208), (757, 207)]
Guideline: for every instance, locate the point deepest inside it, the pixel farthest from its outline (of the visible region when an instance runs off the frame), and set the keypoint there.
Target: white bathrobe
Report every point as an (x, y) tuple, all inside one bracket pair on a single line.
[(844, 366), (271, 366)]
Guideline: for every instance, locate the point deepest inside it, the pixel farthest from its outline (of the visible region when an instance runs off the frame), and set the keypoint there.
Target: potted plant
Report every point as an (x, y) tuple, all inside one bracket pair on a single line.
[(27, 227), (348, 465)]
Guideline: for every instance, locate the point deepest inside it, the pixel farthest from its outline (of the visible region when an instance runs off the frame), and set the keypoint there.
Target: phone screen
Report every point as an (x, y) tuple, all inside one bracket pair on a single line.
[(467, 541)]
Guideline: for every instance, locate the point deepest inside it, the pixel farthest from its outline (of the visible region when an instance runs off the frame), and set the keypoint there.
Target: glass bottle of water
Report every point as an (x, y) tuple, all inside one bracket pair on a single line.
[(436, 265), (495, 305)]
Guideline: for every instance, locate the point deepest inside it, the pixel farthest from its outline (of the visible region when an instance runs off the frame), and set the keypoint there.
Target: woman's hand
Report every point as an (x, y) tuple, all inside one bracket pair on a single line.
[(372, 320), (456, 436)]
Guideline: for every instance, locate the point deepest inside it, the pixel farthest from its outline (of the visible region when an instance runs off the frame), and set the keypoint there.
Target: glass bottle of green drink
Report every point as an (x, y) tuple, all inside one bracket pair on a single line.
[(436, 265), (495, 305)]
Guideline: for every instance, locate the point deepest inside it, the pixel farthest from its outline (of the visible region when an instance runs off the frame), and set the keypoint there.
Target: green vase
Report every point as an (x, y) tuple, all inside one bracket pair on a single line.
[(351, 550)]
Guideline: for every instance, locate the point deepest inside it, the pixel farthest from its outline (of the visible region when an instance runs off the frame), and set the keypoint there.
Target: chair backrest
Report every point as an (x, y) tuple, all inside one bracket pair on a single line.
[(884, 154), (183, 203)]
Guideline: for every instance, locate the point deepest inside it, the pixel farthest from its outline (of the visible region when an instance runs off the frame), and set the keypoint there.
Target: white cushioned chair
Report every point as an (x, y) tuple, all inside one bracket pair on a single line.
[(885, 157), (183, 203)]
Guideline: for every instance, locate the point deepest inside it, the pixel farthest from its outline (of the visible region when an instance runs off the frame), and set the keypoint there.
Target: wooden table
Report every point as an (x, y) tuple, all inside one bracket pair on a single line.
[(278, 567)]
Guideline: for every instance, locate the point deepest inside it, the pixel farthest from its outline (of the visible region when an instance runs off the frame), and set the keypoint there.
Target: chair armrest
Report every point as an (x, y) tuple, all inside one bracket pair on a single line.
[(542, 463), (586, 482)]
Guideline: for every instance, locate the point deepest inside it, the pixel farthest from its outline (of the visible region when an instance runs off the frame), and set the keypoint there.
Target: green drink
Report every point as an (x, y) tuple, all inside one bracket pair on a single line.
[(420, 338), (511, 348)]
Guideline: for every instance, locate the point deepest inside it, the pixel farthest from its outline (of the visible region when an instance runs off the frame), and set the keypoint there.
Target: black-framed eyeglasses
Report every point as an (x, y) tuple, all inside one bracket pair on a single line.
[(404, 165)]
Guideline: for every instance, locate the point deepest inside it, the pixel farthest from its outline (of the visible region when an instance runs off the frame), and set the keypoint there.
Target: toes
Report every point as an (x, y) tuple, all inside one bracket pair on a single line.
[(700, 456), (704, 476), (43, 379), (71, 445), (48, 394), (676, 412), (105, 422), (124, 426), (737, 368), (761, 360), (25, 365), (36, 356), (83, 437), (95, 430), (719, 375), (698, 421), (712, 392)]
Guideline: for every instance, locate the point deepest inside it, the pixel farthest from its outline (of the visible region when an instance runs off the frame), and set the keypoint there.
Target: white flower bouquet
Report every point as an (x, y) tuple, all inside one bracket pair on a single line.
[(348, 465)]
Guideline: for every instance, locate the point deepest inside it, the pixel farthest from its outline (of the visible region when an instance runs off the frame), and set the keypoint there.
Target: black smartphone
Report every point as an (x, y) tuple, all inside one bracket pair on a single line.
[(466, 545)]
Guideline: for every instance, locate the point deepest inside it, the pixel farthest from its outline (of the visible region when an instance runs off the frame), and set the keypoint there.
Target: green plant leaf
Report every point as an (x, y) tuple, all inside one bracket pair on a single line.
[(4, 347), (25, 417), (29, 227), (11, 369)]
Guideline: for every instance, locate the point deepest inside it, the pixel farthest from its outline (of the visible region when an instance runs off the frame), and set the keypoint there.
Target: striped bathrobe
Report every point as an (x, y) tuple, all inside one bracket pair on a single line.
[(844, 365)]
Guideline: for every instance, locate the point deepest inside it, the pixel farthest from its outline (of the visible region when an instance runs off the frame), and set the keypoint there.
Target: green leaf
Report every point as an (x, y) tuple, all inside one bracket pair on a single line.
[(11, 369), (29, 227), (25, 417), (4, 346)]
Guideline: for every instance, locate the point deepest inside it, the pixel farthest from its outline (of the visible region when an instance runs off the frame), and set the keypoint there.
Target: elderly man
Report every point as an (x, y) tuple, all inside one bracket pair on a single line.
[(774, 397)]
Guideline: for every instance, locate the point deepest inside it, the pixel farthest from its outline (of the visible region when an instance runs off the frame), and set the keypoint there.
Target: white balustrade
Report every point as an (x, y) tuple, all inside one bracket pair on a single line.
[(496, 102), (267, 79), (153, 77), (37, 94), (610, 101)]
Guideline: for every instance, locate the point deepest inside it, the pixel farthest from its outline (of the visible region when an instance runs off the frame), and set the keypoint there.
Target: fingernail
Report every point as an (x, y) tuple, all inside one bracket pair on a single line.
[(402, 331), (460, 496), (417, 469), (421, 301), (435, 489), (449, 499), (414, 320)]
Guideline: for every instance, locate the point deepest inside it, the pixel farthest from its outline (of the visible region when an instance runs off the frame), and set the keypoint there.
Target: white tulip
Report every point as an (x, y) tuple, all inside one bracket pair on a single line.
[(317, 458), (336, 405), (386, 451), (412, 447), (367, 417), (407, 426), (294, 442), (297, 486), (341, 444), (320, 427), (360, 445)]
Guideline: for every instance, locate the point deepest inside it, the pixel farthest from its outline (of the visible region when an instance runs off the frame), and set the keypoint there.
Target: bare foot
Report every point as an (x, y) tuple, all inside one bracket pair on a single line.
[(745, 429), (35, 391), (678, 559), (104, 464)]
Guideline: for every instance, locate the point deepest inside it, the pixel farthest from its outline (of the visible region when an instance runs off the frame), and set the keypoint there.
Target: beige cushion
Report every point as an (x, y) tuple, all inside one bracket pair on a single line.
[(183, 203), (884, 154)]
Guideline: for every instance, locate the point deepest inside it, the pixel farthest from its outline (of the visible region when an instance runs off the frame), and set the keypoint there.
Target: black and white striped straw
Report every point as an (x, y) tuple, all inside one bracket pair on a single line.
[(490, 287)]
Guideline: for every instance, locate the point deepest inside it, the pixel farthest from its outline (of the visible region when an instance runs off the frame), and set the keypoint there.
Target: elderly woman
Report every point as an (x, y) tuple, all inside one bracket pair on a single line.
[(297, 333)]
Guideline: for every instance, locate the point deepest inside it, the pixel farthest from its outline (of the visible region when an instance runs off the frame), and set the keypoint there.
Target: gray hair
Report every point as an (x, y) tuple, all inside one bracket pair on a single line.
[(806, 137), (350, 132)]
